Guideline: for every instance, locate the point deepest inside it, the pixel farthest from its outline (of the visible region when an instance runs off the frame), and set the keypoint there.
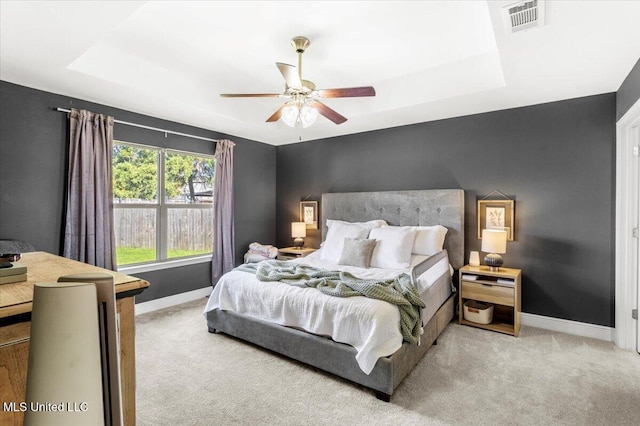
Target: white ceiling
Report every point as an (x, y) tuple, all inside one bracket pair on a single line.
[(427, 60)]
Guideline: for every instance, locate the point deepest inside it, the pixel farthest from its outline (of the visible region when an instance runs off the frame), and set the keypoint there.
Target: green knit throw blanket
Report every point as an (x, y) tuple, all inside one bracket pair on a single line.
[(399, 291)]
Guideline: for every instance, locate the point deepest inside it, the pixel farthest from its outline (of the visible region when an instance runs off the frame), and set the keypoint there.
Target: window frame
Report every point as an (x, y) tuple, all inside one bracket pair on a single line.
[(162, 207)]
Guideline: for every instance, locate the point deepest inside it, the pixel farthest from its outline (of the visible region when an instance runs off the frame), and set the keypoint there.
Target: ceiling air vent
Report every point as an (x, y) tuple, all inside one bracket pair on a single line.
[(523, 15)]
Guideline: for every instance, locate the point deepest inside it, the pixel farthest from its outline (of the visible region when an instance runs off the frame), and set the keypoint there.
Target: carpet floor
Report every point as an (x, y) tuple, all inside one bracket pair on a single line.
[(188, 376)]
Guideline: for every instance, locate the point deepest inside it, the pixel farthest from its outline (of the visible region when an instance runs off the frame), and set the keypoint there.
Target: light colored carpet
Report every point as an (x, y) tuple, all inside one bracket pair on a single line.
[(188, 376)]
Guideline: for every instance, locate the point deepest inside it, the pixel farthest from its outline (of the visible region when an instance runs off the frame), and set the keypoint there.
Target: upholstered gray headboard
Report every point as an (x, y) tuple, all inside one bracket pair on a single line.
[(403, 208)]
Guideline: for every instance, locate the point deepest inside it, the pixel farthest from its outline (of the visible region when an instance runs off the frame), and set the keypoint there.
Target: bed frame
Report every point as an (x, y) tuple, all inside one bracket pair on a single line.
[(401, 208)]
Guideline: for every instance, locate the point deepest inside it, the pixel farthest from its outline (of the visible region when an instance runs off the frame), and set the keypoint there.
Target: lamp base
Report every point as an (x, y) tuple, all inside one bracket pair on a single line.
[(298, 243), (493, 261)]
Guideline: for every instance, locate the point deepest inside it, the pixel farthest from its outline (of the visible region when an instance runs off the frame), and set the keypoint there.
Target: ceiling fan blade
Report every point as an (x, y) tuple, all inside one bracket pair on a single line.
[(276, 115), (347, 92), (250, 95), (290, 74), (328, 112)]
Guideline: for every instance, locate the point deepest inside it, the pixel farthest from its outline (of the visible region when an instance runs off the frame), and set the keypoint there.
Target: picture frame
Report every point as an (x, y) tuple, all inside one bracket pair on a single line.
[(309, 214), (496, 214)]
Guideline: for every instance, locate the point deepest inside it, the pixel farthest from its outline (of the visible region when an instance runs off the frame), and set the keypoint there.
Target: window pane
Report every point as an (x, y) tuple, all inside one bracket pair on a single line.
[(146, 226), (188, 178), (135, 174), (135, 231), (190, 231)]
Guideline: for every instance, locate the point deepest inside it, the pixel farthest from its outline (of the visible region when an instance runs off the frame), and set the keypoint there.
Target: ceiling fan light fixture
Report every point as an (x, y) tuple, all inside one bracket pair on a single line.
[(290, 114), (305, 103), (308, 115)]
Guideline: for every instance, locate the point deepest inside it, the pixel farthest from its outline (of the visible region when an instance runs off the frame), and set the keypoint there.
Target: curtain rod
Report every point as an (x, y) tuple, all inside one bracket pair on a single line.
[(142, 126)]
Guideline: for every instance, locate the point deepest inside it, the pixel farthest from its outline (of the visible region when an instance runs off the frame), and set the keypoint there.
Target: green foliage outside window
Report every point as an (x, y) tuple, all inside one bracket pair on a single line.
[(184, 173), (135, 173)]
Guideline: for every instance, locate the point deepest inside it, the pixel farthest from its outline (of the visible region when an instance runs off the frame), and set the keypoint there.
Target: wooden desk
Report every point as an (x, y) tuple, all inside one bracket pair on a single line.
[(15, 326)]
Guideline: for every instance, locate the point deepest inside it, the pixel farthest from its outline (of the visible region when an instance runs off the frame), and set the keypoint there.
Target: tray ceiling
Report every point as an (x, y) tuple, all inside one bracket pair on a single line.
[(427, 60)]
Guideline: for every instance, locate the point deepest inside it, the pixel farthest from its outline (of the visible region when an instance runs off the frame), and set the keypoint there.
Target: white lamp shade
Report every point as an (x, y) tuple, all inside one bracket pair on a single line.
[(308, 115), (64, 356), (298, 229), (494, 241), (290, 114)]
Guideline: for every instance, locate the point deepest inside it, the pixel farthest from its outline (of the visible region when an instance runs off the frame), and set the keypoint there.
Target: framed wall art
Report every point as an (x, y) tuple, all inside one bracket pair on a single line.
[(309, 214), (496, 214)]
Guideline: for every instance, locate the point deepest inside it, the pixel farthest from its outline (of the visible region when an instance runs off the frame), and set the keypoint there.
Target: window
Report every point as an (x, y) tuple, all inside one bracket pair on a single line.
[(162, 203)]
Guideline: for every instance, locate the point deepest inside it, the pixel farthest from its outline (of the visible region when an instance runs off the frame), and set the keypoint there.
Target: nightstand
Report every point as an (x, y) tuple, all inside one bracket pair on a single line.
[(501, 288), (294, 253)]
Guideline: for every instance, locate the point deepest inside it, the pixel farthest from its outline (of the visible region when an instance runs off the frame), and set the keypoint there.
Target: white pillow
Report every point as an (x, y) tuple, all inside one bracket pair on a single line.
[(332, 246), (393, 248), (377, 223), (429, 240)]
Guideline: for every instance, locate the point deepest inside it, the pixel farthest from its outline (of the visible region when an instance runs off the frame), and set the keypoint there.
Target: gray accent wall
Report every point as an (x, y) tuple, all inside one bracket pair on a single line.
[(33, 169), (557, 160), (629, 92)]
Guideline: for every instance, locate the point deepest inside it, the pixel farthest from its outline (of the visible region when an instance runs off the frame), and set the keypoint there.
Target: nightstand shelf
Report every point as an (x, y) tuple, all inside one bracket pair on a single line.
[(505, 295), (289, 253)]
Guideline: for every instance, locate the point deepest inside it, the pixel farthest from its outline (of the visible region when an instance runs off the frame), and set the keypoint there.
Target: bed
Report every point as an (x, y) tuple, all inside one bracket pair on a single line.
[(324, 350)]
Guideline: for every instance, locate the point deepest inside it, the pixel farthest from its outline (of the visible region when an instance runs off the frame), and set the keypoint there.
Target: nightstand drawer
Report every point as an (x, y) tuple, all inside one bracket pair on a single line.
[(488, 293)]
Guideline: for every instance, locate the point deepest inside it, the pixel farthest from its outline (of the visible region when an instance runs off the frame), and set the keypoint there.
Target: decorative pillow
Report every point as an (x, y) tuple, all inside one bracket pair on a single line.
[(393, 248), (377, 223), (429, 239), (357, 252), (332, 246)]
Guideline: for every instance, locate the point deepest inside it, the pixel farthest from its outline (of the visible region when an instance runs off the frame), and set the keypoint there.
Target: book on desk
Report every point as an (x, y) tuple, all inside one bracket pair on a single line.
[(15, 273)]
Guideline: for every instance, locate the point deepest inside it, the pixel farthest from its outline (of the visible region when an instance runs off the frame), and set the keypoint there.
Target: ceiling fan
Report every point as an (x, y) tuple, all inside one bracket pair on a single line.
[(304, 104)]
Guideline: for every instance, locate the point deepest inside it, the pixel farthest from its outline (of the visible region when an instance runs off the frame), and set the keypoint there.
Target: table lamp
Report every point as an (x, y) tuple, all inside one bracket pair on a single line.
[(494, 242), (298, 232)]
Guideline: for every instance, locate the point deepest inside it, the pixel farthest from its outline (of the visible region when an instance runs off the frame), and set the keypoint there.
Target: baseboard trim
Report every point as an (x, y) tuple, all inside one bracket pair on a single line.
[(566, 326), (167, 302)]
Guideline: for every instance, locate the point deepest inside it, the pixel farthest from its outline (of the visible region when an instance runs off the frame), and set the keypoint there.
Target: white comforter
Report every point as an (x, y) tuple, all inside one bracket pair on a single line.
[(371, 326)]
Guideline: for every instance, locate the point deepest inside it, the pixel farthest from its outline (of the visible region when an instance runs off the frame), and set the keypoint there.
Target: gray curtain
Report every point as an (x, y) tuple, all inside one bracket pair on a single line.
[(89, 235), (223, 230)]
